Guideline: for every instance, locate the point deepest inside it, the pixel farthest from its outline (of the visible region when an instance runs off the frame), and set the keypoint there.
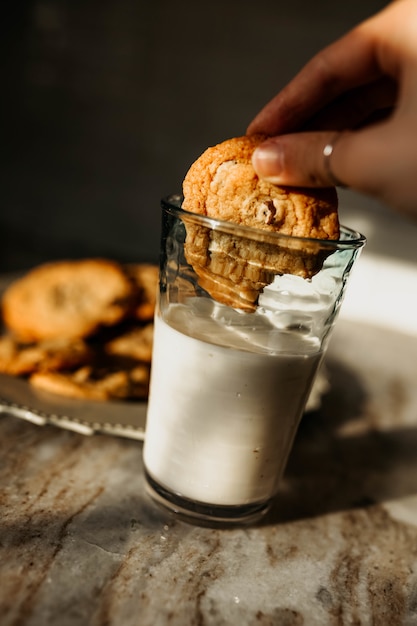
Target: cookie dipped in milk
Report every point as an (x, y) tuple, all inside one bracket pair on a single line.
[(246, 308)]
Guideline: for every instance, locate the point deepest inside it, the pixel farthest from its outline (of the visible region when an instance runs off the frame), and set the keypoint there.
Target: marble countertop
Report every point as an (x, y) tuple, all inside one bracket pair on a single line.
[(81, 543)]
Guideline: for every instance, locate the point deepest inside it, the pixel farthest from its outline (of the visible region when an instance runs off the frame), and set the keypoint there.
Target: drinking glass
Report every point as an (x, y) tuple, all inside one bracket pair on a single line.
[(243, 320)]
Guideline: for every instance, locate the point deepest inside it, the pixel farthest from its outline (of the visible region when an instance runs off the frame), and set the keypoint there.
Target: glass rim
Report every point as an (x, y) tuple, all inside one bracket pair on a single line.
[(172, 205)]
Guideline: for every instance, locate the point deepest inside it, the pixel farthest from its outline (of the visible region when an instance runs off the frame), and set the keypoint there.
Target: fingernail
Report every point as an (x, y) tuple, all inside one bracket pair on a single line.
[(268, 162)]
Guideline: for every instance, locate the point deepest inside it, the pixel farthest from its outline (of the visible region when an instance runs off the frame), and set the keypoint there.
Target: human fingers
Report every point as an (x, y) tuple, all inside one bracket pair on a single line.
[(357, 108), (380, 160), (336, 70), (365, 54), (297, 159)]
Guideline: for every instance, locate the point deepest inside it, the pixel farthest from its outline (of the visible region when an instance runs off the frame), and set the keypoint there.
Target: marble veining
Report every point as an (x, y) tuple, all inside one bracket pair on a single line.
[(81, 543)]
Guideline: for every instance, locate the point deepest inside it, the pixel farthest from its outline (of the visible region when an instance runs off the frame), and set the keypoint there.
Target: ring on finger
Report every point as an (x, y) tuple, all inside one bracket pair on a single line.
[(327, 153)]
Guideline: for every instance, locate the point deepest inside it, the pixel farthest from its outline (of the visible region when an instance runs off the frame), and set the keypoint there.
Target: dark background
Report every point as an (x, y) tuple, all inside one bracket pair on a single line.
[(105, 104)]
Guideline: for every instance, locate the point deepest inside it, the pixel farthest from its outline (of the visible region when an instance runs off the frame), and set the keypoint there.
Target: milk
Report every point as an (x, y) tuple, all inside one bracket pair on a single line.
[(224, 405)]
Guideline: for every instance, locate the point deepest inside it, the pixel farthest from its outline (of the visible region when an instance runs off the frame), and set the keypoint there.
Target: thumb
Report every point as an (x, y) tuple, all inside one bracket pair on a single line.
[(369, 160)]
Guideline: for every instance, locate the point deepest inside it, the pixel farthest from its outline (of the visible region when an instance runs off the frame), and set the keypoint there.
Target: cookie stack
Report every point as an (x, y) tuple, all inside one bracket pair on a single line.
[(81, 328)]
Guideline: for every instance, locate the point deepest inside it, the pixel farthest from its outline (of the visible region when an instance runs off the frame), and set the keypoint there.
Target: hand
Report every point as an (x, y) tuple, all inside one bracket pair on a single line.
[(359, 95)]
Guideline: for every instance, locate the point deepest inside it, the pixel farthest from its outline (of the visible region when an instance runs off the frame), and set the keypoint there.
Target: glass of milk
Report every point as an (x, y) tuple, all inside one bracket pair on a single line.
[(229, 385)]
